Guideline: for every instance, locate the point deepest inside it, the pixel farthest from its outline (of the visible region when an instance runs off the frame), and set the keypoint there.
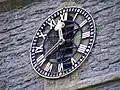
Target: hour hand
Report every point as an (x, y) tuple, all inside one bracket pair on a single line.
[(60, 24), (58, 28)]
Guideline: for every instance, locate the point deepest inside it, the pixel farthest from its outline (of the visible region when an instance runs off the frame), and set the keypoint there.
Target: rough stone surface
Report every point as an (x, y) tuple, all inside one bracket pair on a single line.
[(17, 28), (106, 86)]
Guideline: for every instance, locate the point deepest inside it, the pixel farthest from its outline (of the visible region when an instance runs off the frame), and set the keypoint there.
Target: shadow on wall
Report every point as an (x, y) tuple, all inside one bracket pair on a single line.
[(6, 5)]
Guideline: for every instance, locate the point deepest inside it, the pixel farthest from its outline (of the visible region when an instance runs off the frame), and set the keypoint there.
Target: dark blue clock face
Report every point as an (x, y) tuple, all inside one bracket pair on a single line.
[(63, 42)]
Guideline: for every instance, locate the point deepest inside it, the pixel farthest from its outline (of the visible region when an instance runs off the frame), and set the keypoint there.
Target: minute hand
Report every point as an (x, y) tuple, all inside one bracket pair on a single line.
[(53, 48), (43, 57)]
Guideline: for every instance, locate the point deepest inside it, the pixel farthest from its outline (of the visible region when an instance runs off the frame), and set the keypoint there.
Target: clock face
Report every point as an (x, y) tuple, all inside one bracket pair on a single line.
[(62, 42)]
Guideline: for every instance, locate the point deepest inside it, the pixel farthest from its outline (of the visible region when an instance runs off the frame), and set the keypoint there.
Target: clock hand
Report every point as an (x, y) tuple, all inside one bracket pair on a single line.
[(61, 40), (58, 28), (50, 51), (61, 36), (53, 48)]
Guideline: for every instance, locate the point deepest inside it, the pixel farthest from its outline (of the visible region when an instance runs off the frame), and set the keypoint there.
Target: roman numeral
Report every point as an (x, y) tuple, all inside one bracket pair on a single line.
[(82, 48), (52, 23), (42, 35), (39, 49), (41, 60), (64, 16), (60, 67), (85, 35), (73, 61), (75, 16), (48, 67), (83, 23)]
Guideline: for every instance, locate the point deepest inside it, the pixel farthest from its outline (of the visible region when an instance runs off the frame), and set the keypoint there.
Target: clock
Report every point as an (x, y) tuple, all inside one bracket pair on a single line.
[(63, 42)]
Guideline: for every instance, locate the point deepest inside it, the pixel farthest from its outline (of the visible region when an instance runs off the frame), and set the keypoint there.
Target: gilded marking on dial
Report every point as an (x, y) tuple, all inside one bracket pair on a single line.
[(64, 16), (73, 61), (82, 48), (41, 60), (48, 67), (83, 23), (60, 67), (39, 49), (85, 34), (42, 35), (75, 16), (52, 23)]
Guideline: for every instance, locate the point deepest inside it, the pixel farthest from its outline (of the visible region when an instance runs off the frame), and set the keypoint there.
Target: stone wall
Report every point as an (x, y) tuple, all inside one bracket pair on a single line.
[(18, 26)]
